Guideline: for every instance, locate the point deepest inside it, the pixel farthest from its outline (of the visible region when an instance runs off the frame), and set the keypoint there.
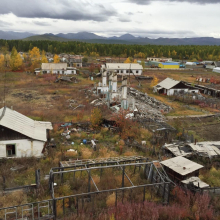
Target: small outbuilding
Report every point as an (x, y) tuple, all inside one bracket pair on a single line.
[(21, 136), (180, 168)]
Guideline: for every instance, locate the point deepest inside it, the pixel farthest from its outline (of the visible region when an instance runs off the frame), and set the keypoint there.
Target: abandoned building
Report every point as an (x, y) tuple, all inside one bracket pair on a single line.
[(123, 68), (55, 68), (159, 59), (180, 168), (204, 149), (22, 136), (171, 87), (75, 61)]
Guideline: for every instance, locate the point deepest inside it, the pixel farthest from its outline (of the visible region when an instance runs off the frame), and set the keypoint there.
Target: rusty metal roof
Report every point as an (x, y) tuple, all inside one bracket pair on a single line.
[(22, 124)]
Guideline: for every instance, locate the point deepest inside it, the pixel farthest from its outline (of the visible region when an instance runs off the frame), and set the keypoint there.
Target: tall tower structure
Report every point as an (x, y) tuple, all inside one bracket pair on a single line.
[(124, 102)]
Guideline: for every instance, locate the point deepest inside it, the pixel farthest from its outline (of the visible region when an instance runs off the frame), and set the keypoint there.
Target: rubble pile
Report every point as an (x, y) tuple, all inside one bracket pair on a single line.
[(148, 107)]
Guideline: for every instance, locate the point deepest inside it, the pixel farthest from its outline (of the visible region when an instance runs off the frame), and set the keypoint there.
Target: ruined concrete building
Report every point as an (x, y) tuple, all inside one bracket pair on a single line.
[(21, 136)]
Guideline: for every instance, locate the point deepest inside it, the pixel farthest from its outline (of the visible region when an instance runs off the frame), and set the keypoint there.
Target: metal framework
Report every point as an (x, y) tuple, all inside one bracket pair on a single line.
[(158, 182)]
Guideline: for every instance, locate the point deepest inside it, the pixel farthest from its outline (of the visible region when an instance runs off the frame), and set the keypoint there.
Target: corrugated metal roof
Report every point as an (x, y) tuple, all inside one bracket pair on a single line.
[(24, 125), (53, 66), (124, 66), (181, 165), (168, 83)]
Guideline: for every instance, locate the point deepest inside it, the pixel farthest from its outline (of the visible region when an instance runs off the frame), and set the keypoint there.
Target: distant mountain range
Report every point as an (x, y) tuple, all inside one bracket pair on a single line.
[(124, 39)]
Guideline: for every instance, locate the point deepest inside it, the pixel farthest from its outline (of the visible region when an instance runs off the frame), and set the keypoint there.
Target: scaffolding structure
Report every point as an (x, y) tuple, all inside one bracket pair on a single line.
[(154, 177)]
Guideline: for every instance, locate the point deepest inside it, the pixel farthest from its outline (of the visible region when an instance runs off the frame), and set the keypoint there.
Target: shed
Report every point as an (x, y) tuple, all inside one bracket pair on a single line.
[(180, 168), (195, 182)]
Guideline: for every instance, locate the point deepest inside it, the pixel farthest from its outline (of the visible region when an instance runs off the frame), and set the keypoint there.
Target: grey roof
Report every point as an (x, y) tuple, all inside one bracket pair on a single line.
[(196, 182), (168, 83), (217, 63), (181, 165), (53, 66), (178, 149), (207, 148), (24, 125), (124, 66)]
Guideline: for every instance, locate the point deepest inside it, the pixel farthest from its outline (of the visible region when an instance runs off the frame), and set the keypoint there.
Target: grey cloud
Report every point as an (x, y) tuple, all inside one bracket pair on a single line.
[(129, 13), (147, 2), (4, 24), (41, 23), (124, 19), (66, 9)]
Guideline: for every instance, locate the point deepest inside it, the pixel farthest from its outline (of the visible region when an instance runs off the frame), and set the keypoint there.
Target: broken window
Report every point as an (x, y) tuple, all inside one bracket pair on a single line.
[(58, 72), (99, 91), (136, 71), (72, 72), (10, 150), (62, 72)]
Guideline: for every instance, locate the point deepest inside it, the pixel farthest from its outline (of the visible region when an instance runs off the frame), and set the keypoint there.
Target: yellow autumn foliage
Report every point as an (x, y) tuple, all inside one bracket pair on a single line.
[(43, 57), (2, 62), (16, 60), (35, 55), (56, 59), (154, 82)]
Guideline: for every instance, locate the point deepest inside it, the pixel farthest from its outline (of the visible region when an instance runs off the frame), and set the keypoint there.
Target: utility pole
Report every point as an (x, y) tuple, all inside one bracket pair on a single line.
[(5, 81)]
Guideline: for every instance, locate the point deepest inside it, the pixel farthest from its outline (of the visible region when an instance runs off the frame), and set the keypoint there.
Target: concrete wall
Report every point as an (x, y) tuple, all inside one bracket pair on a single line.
[(23, 148), (171, 91), (67, 72), (134, 72)]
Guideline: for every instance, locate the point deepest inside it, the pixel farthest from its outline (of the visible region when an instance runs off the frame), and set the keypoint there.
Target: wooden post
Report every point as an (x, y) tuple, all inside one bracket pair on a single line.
[(123, 176), (89, 181), (144, 195), (55, 209), (63, 206)]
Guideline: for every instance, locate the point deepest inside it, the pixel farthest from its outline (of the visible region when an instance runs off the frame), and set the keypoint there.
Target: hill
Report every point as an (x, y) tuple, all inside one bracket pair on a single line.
[(45, 37)]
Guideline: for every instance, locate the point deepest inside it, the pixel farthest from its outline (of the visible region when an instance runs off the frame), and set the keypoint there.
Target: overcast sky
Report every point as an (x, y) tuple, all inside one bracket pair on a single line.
[(146, 18)]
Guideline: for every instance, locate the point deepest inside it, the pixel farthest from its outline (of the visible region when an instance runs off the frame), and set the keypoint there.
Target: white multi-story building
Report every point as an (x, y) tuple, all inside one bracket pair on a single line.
[(123, 68)]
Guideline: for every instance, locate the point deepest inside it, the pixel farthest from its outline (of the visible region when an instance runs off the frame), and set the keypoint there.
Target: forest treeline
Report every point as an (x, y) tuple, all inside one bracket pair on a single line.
[(188, 52)]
